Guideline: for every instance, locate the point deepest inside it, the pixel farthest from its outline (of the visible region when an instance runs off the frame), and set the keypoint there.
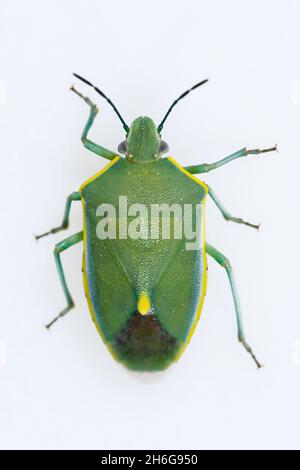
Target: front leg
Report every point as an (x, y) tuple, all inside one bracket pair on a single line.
[(98, 149), (206, 167)]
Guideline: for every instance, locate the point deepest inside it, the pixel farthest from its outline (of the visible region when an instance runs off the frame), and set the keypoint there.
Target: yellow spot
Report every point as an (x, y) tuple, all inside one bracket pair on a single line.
[(144, 304)]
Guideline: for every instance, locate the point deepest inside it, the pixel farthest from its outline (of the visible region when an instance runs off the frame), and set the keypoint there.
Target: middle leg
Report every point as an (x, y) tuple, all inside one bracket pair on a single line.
[(226, 214), (65, 223)]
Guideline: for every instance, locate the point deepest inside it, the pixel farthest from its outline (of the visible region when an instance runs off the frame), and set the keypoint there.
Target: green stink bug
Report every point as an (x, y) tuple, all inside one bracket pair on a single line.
[(145, 293)]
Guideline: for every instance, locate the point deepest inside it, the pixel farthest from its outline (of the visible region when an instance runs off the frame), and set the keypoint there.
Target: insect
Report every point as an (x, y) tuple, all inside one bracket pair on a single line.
[(145, 294)]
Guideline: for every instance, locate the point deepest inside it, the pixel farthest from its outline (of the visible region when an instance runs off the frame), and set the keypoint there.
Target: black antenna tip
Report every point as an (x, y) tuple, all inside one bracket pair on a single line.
[(100, 92), (184, 94), (199, 84), (105, 97), (83, 79), (161, 125)]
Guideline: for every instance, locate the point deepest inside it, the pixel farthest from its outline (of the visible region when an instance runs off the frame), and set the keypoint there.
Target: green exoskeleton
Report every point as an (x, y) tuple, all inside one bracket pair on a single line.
[(145, 294)]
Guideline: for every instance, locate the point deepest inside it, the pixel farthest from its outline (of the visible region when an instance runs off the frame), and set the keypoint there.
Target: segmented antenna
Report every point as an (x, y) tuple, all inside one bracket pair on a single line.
[(159, 129), (126, 127)]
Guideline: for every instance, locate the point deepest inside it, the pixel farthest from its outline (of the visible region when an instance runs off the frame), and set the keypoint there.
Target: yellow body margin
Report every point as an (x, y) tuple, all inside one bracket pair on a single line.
[(85, 281), (204, 280), (188, 174)]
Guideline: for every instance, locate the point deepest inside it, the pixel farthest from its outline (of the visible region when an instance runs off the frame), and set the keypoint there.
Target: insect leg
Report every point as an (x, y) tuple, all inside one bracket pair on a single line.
[(225, 263), (65, 223), (226, 214), (103, 152), (206, 167), (59, 248)]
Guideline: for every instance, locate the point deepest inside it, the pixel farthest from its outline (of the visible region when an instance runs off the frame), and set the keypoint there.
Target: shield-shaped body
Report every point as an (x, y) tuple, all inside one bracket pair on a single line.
[(145, 287)]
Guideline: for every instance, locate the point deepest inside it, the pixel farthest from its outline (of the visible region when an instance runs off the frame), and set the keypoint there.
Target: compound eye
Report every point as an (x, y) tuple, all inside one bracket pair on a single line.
[(163, 148), (123, 147)]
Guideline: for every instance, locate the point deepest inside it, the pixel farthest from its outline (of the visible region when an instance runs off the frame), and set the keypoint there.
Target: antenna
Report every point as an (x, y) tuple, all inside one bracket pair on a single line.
[(159, 129), (126, 127)]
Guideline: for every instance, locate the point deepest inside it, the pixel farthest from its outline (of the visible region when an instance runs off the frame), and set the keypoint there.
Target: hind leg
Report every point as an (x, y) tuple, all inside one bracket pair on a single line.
[(225, 263), (59, 248)]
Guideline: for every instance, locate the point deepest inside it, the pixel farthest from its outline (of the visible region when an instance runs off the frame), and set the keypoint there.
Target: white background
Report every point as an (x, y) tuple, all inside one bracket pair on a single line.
[(61, 389)]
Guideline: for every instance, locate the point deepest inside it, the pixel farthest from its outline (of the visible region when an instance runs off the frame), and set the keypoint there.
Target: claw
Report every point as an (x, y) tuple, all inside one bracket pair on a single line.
[(92, 105), (60, 315), (256, 226), (249, 350), (37, 237), (256, 151), (242, 221), (52, 231)]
